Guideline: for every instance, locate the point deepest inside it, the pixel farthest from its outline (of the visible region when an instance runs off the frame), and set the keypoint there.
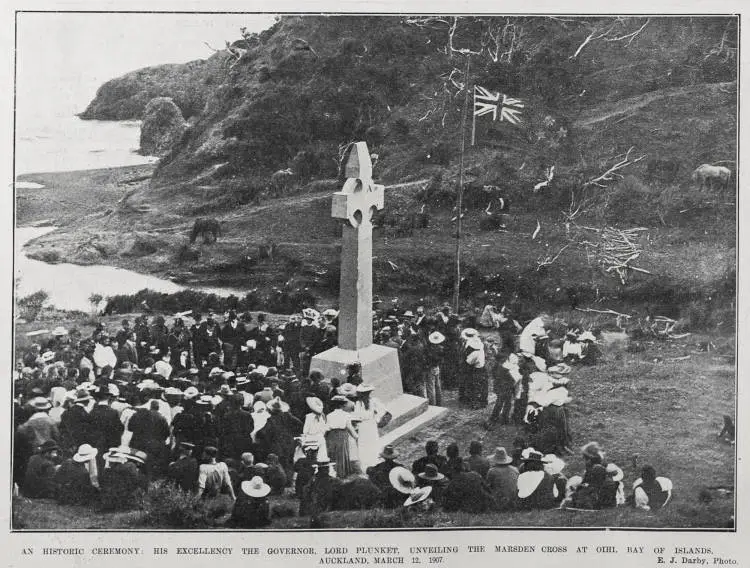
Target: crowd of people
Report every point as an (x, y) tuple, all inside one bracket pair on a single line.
[(234, 408)]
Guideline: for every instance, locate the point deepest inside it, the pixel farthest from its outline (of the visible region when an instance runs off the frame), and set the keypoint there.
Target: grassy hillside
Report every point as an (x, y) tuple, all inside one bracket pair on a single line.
[(661, 92)]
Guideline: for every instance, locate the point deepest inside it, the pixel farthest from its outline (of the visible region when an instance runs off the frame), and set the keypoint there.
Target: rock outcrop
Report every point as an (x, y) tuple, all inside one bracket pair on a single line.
[(163, 126)]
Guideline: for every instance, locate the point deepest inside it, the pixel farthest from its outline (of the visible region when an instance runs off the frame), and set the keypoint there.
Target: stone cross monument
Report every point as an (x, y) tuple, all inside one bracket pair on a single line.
[(354, 205)]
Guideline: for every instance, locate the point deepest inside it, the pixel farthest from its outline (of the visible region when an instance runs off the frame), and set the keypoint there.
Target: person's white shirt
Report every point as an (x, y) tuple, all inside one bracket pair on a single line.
[(534, 330)]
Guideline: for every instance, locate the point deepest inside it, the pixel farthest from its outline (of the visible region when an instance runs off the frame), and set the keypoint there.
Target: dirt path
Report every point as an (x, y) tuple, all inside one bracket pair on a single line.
[(633, 104)]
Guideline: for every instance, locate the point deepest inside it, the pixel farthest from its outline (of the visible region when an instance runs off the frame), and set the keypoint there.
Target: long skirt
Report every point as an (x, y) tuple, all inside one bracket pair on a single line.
[(475, 387), (368, 446), (339, 452)]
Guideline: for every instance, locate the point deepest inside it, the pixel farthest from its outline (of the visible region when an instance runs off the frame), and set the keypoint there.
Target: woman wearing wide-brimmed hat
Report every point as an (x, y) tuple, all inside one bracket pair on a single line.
[(341, 438), (279, 433), (251, 509), (536, 487), (370, 415), (473, 386), (316, 426), (77, 478)]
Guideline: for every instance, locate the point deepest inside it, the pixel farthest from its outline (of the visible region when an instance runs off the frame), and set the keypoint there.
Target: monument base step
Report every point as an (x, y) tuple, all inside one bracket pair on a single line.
[(379, 363), (395, 435), (404, 408)]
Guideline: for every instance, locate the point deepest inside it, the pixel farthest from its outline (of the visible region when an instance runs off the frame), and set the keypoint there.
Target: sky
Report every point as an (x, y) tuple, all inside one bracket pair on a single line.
[(62, 58)]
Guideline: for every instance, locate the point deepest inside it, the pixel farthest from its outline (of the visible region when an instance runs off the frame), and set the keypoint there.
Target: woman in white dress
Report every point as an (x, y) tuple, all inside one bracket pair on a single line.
[(369, 415), (316, 426)]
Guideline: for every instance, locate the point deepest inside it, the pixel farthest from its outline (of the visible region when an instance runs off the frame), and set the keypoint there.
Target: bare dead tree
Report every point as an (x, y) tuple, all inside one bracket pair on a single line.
[(613, 172), (548, 260), (606, 31)]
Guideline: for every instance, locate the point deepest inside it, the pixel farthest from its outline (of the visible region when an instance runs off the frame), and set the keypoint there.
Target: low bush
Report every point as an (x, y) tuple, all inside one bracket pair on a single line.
[(50, 256), (186, 254), (30, 306), (281, 300), (166, 506)]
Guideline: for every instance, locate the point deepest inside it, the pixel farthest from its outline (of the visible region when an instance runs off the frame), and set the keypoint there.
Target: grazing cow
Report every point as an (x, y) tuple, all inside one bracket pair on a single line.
[(208, 228), (267, 251), (712, 177)]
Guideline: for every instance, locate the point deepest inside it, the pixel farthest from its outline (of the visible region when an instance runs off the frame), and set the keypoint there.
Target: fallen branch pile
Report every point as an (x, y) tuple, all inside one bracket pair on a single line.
[(616, 249)]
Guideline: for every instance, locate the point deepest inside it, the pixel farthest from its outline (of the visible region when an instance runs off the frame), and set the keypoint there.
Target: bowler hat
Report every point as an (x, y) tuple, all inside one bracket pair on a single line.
[(431, 473), (48, 446)]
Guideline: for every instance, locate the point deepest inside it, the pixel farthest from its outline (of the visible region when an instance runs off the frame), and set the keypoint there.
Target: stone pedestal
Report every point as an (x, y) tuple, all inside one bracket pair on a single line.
[(380, 369)]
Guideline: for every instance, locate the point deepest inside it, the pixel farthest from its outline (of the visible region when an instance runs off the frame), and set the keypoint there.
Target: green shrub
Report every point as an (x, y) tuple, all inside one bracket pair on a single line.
[(166, 506), (50, 256), (30, 306), (186, 253)]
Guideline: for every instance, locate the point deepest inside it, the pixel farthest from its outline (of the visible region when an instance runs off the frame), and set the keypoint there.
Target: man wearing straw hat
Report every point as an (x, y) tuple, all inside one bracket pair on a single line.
[(434, 355), (502, 479), (251, 509), (39, 428)]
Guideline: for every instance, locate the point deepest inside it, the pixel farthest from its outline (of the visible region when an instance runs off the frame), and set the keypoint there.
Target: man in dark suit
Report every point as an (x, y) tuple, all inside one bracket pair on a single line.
[(75, 423), (106, 427), (184, 471)]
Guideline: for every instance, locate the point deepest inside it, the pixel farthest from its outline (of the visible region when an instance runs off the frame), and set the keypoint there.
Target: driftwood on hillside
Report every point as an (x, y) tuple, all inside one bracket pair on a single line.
[(616, 249)]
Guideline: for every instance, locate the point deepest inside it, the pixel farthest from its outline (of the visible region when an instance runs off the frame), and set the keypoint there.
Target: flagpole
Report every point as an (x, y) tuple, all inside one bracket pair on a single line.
[(460, 197)]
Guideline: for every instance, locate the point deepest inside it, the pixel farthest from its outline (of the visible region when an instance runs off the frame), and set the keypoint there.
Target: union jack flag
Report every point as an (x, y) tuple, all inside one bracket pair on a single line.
[(487, 102)]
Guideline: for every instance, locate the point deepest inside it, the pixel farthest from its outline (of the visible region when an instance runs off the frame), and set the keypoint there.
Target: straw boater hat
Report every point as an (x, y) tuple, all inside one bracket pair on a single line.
[(501, 457), (315, 404), (469, 332), (82, 395), (339, 398), (225, 389), (402, 480), (418, 495), (190, 393), (365, 388), (85, 453), (408, 314), (48, 356), (534, 456), (242, 380), (347, 389), (59, 331), (261, 369), (40, 403), (256, 487), (204, 399), (431, 473), (436, 338)]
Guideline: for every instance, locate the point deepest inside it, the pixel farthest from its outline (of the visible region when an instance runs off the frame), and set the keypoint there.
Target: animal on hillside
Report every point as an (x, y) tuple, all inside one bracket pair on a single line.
[(281, 179), (208, 228), (266, 251), (712, 177)]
